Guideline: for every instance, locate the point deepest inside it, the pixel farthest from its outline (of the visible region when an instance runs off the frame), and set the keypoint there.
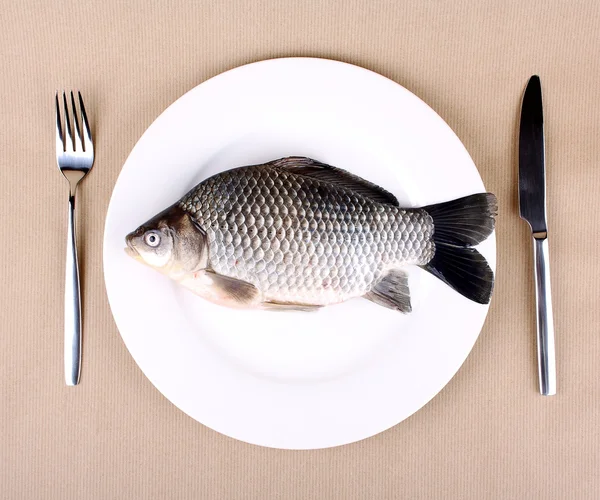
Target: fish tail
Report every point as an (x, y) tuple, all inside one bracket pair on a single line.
[(459, 224)]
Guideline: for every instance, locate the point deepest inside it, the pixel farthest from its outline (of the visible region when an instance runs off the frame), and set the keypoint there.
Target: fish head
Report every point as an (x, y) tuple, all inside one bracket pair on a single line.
[(172, 242)]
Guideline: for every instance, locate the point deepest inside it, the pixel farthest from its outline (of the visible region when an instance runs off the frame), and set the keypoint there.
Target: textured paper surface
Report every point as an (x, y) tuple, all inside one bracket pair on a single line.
[(487, 435)]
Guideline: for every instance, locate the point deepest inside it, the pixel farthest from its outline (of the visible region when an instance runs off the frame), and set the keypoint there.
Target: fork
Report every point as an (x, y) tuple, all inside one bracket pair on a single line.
[(75, 160)]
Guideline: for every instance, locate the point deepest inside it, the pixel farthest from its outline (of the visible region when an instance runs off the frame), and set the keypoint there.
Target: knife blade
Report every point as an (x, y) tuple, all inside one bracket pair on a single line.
[(532, 175), (532, 205)]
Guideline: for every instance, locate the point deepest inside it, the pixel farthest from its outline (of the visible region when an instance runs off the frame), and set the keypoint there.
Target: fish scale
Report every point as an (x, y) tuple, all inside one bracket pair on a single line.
[(301, 239)]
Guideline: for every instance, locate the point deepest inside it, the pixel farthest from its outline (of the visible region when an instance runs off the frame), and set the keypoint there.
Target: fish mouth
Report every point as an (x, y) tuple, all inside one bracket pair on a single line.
[(130, 249), (131, 252)]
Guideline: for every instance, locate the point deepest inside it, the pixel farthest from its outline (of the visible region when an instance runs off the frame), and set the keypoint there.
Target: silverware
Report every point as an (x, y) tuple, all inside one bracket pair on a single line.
[(532, 201), (75, 160)]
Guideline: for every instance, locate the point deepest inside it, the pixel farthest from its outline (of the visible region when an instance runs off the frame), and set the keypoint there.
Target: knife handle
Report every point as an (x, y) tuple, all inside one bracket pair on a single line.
[(545, 323)]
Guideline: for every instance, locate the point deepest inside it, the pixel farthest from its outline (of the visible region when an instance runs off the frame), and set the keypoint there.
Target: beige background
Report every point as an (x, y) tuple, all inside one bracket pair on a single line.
[(487, 435)]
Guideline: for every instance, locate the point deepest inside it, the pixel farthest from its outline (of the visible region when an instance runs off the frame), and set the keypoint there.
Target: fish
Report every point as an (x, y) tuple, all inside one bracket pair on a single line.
[(298, 234)]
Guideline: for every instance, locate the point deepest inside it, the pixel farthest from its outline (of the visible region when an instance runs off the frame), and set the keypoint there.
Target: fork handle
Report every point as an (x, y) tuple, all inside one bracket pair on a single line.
[(72, 302), (545, 322)]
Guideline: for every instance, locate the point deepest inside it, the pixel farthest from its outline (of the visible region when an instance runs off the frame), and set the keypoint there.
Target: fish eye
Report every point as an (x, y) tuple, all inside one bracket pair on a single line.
[(152, 239)]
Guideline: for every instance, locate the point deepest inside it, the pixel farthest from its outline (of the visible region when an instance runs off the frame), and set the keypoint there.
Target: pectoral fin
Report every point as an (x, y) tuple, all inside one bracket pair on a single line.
[(231, 291), (392, 292)]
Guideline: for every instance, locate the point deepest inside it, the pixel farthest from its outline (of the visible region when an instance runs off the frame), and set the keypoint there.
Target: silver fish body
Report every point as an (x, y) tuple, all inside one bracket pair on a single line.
[(300, 239), (296, 233)]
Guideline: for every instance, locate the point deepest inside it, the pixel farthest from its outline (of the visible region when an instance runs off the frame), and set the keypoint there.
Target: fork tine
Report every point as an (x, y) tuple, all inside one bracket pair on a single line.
[(69, 147), (60, 144), (78, 143), (89, 145)]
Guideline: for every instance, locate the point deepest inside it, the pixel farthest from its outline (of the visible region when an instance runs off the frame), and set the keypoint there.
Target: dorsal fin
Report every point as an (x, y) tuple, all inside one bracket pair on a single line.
[(326, 173)]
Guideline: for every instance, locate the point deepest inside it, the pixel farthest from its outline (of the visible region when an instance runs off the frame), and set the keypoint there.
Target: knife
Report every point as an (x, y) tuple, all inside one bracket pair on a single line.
[(532, 204)]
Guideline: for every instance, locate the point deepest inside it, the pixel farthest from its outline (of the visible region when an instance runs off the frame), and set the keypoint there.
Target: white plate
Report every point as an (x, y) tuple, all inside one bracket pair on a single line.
[(292, 380)]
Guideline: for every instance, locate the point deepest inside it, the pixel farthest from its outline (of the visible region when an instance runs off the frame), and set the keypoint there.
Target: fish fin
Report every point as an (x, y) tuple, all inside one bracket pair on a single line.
[(273, 305), (457, 225), (464, 222), (463, 269), (238, 291), (392, 292), (333, 175)]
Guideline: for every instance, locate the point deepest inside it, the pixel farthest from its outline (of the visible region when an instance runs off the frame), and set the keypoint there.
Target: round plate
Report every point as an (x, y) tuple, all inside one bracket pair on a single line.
[(292, 380)]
